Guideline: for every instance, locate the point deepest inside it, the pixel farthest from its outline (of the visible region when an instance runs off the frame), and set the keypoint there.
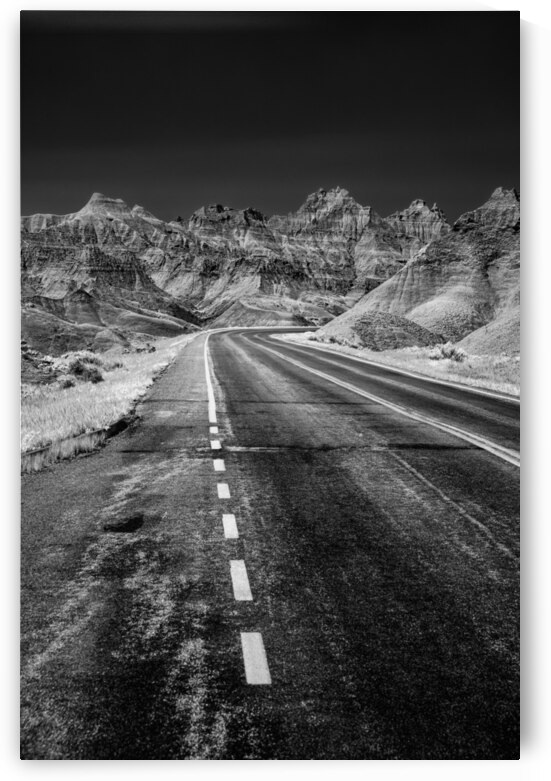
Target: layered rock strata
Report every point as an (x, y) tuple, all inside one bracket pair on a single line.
[(464, 281), (146, 275)]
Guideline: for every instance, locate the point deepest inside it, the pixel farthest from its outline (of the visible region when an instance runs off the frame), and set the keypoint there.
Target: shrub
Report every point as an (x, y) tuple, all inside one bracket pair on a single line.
[(90, 374), (449, 351), (66, 381), (86, 356), (47, 415), (83, 364)]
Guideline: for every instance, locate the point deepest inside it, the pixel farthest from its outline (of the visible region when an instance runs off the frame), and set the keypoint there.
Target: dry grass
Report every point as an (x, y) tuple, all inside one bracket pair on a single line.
[(500, 373), (36, 460), (50, 413)]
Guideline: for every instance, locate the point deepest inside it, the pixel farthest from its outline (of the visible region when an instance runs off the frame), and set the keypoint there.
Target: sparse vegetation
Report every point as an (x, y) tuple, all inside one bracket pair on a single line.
[(494, 372), (75, 404), (447, 351), (83, 364)]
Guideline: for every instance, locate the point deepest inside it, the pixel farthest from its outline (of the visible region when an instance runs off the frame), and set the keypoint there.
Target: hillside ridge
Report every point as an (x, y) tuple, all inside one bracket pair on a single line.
[(325, 259)]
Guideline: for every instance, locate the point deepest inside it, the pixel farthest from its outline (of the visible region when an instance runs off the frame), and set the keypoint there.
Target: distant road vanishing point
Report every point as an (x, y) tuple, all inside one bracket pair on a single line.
[(291, 555)]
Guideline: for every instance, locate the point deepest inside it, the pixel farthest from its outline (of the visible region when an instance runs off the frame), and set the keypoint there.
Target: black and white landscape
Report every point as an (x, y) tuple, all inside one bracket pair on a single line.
[(270, 439)]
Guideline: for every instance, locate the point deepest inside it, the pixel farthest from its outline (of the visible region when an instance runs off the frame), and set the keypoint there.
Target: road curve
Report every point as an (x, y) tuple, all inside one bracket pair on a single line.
[(492, 417), (314, 575)]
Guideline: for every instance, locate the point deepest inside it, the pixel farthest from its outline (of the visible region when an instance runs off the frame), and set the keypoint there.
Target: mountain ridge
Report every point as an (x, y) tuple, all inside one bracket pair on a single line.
[(306, 267), (459, 284)]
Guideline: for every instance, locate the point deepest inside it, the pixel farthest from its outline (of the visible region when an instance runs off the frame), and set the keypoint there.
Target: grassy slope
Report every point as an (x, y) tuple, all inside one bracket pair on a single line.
[(50, 413), (499, 373)]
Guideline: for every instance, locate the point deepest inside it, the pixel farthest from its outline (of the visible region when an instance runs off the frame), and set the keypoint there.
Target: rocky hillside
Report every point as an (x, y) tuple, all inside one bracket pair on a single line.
[(463, 286), (108, 270), (83, 284), (325, 256), (108, 273)]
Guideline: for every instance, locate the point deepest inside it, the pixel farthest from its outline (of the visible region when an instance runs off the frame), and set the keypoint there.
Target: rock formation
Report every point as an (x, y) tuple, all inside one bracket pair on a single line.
[(109, 266), (83, 283), (108, 270), (464, 282)]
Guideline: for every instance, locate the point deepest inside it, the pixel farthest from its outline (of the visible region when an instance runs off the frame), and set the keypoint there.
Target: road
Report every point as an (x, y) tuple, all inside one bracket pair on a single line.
[(312, 575)]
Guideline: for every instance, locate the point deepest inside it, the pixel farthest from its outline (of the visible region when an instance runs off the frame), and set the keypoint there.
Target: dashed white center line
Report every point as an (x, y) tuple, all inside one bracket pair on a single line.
[(223, 491), (254, 654), (240, 581), (230, 526), (254, 657)]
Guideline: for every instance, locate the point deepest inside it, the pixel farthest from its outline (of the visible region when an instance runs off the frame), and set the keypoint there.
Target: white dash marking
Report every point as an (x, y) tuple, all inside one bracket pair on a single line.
[(240, 581), (213, 430), (257, 672), (215, 444), (230, 526), (223, 491), (219, 465)]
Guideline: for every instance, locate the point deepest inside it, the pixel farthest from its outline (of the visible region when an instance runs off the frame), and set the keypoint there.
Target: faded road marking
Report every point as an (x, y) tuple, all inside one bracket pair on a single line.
[(223, 491), (240, 581), (210, 391), (219, 465), (445, 498), (230, 526), (254, 656), (215, 444)]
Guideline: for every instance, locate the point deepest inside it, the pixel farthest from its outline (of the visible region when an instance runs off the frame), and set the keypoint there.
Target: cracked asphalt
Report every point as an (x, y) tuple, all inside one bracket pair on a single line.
[(381, 553)]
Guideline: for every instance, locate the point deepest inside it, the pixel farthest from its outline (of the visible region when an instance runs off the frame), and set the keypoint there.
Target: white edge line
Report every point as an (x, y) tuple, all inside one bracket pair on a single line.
[(210, 391), (507, 455), (398, 370)]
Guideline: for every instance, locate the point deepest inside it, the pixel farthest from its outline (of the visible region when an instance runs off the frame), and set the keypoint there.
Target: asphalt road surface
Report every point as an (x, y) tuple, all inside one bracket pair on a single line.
[(310, 574)]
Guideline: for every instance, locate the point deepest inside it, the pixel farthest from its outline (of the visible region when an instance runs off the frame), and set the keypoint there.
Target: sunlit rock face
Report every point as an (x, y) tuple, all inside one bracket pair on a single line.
[(326, 254), (360, 248), (84, 269), (304, 267), (463, 282), (420, 222), (326, 214)]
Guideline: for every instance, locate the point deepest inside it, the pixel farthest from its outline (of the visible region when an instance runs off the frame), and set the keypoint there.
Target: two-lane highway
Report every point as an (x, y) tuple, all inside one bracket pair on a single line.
[(314, 575), (488, 415)]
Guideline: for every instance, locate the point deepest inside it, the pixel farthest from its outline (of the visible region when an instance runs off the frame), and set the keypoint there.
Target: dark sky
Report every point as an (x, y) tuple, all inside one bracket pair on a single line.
[(176, 110)]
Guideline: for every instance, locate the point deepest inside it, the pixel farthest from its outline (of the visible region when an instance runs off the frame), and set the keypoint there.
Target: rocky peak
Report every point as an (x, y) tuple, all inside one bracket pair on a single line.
[(502, 194), (103, 205), (500, 211), (326, 210), (218, 217), (438, 211), (142, 214), (419, 221), (337, 197)]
